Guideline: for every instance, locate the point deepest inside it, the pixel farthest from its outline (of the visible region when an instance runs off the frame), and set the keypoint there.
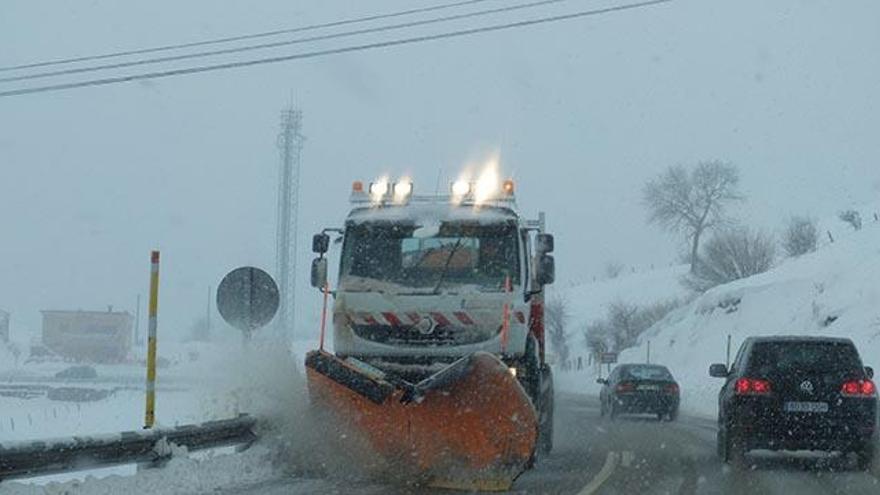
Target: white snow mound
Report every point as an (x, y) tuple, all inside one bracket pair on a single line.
[(832, 292)]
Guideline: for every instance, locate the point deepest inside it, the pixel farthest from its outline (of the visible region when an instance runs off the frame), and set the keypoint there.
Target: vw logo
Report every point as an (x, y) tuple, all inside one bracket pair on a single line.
[(807, 387)]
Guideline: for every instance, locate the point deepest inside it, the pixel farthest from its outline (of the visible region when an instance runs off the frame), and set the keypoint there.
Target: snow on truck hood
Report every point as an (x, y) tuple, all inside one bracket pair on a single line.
[(353, 284), (426, 214)]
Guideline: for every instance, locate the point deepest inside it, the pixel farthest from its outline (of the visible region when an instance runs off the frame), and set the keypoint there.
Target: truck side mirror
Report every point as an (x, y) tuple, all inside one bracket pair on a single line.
[(546, 272), (320, 243), (544, 243), (718, 370), (319, 273), (869, 371)]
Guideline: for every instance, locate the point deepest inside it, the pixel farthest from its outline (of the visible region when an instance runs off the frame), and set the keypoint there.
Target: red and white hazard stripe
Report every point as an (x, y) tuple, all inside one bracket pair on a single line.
[(444, 319)]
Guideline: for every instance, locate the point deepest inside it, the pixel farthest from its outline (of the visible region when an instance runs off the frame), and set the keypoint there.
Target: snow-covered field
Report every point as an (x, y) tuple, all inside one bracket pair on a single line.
[(188, 391), (182, 474), (204, 382)]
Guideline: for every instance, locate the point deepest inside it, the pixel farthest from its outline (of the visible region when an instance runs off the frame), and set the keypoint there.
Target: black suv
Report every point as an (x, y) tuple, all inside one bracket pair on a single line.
[(797, 393)]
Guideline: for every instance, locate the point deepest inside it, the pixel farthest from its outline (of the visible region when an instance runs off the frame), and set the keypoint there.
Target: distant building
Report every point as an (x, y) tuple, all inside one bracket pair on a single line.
[(93, 336), (4, 326)]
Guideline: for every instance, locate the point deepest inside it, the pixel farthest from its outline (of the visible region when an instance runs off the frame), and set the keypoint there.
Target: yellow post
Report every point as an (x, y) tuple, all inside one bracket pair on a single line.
[(150, 417)]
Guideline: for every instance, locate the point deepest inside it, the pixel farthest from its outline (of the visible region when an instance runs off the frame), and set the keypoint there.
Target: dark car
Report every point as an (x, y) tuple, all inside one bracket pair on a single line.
[(77, 373), (639, 389), (797, 393)]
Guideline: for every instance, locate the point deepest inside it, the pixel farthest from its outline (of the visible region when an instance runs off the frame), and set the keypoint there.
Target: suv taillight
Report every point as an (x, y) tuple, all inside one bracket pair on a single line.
[(672, 388), (858, 388), (625, 387), (752, 386)]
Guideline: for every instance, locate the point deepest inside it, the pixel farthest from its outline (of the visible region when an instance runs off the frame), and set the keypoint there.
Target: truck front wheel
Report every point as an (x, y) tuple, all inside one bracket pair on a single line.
[(530, 373), (545, 412)]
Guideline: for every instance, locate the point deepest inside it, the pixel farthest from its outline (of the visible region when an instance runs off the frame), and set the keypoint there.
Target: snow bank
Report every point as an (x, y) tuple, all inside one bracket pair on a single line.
[(180, 475), (833, 292)]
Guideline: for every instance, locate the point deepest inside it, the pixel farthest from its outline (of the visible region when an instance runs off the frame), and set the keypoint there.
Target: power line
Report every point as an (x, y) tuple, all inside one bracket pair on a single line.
[(276, 44), (266, 34), (334, 51)]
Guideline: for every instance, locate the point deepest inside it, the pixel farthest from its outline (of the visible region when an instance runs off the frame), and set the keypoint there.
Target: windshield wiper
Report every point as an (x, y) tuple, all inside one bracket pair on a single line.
[(446, 266)]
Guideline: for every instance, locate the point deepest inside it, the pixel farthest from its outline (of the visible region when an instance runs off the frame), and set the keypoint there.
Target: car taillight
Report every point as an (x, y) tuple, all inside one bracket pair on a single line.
[(858, 388), (625, 387), (672, 388), (752, 386)]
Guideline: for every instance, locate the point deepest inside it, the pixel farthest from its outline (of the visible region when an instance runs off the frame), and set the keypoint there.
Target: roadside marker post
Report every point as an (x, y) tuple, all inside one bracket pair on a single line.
[(505, 317), (150, 415), (727, 359), (324, 314)]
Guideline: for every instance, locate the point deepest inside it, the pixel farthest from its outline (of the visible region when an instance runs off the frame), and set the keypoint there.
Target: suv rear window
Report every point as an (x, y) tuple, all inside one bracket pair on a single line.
[(795, 357)]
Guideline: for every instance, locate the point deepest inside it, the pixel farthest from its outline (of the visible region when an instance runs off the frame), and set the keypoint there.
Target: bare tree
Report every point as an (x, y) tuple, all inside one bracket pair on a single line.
[(556, 317), (692, 201), (801, 236), (199, 331), (651, 314), (623, 325), (851, 217), (613, 269), (595, 337), (623, 320), (731, 255)]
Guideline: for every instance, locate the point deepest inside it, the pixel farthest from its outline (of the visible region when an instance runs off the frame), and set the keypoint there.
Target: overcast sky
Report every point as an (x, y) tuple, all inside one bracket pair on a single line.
[(583, 112)]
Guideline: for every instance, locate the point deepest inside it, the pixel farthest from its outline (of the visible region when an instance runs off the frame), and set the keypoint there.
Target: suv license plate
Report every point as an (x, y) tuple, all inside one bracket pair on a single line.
[(806, 407), (649, 387)]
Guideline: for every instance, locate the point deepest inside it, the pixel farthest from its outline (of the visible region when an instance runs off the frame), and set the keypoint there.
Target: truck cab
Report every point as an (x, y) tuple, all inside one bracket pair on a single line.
[(426, 280)]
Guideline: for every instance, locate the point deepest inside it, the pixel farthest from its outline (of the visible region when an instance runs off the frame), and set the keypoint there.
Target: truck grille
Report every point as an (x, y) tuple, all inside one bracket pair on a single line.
[(409, 335)]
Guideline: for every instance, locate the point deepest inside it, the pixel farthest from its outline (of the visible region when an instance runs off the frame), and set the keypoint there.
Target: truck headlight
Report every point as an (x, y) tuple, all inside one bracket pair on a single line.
[(379, 188), (461, 188), (402, 189)]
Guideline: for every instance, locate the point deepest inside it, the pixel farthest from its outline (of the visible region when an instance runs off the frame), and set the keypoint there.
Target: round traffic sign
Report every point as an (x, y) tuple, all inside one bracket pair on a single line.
[(247, 298)]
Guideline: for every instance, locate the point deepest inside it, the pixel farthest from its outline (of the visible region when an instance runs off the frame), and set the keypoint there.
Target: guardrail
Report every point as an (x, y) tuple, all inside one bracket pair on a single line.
[(37, 458)]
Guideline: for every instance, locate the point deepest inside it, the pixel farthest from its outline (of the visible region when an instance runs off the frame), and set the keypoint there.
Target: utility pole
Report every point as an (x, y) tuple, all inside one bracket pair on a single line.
[(290, 143), (208, 317), (137, 322)]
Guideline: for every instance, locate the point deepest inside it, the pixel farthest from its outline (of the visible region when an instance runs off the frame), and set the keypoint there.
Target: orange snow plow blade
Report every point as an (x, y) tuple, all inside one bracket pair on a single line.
[(470, 426)]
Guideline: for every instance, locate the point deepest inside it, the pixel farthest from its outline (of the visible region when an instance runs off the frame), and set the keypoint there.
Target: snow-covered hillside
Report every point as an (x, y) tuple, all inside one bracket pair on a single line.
[(834, 291), (589, 302)]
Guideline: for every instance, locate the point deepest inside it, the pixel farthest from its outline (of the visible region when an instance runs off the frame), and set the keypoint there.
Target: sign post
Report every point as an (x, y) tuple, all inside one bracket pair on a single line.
[(727, 360), (150, 416)]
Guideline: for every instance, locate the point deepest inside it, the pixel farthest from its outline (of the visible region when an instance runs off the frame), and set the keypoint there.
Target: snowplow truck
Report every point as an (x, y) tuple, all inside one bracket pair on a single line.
[(438, 332)]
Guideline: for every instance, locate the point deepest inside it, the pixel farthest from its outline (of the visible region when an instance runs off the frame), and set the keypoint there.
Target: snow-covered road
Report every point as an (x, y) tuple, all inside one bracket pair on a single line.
[(646, 457)]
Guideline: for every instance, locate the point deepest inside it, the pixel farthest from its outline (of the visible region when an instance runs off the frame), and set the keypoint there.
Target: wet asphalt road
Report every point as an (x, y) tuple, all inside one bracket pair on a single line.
[(633, 455)]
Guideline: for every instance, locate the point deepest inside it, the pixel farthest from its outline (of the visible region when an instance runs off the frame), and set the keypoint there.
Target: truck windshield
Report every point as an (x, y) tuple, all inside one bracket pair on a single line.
[(388, 257)]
